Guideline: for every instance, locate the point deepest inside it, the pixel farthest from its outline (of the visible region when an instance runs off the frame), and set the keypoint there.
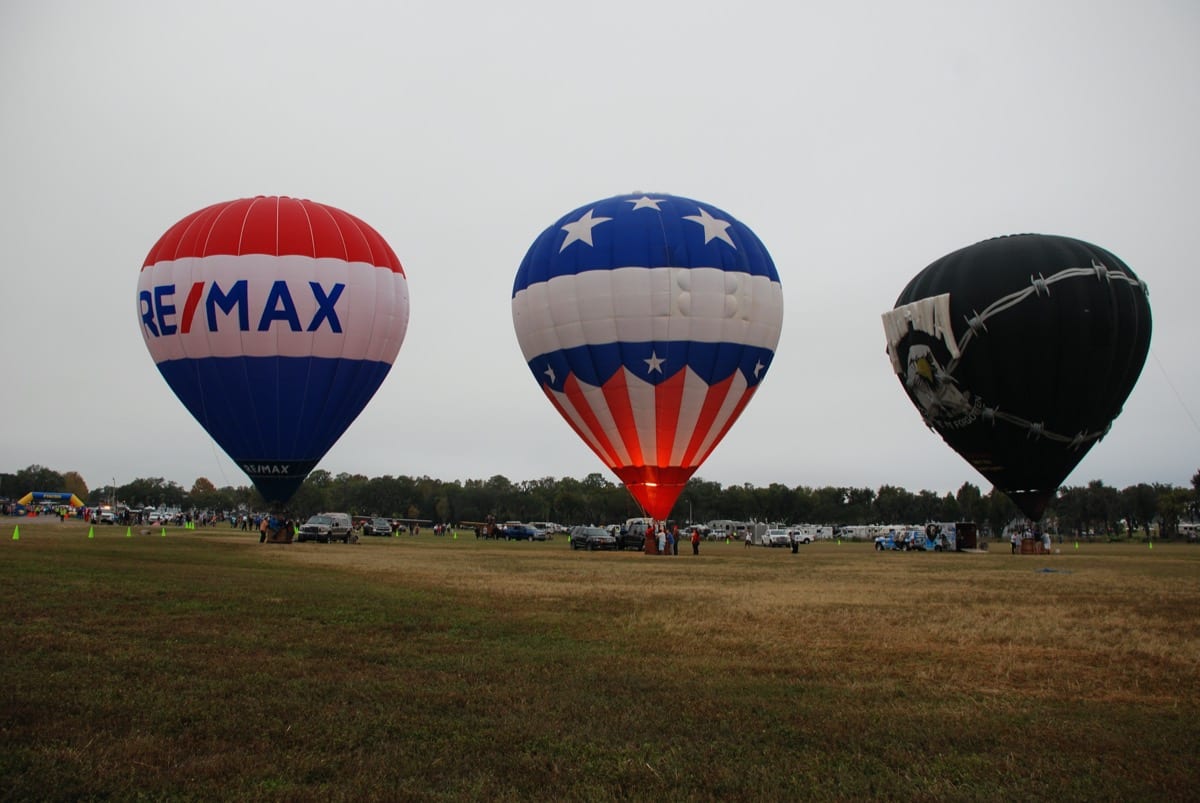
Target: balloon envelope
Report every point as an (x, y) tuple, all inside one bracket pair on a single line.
[(1019, 351), (274, 320), (649, 322)]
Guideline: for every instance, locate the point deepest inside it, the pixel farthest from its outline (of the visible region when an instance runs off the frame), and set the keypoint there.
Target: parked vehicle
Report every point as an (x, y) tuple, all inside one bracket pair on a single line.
[(807, 533), (517, 532), (326, 527), (887, 542), (592, 538), (377, 527), (551, 528), (634, 538), (777, 537)]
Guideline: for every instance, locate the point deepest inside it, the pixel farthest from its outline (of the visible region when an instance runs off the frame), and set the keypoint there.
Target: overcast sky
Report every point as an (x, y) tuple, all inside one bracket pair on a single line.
[(860, 141)]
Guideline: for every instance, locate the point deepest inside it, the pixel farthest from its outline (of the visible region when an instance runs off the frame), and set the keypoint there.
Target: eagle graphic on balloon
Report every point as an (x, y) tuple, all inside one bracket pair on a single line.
[(649, 321)]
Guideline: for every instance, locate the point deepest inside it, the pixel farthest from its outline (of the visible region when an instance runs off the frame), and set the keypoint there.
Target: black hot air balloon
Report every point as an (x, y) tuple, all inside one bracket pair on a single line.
[(1019, 351)]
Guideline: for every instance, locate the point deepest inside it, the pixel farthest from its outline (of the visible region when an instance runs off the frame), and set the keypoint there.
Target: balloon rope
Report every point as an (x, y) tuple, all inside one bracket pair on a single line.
[(1174, 390), (217, 460)]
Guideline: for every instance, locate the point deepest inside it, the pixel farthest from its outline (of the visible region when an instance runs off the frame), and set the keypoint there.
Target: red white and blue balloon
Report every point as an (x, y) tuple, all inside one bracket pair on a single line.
[(649, 322), (274, 320)]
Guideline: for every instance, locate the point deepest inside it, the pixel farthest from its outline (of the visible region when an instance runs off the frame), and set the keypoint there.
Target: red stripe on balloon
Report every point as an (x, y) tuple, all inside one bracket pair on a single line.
[(713, 400), (189, 307), (668, 396), (575, 395), (616, 394), (737, 411), (276, 226)]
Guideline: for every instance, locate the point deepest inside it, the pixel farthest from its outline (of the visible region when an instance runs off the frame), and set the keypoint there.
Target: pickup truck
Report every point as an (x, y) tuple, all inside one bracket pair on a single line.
[(518, 532), (326, 527)]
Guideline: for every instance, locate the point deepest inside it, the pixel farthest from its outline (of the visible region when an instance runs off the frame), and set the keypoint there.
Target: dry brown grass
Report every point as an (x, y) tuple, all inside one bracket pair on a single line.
[(513, 670), (1098, 624)]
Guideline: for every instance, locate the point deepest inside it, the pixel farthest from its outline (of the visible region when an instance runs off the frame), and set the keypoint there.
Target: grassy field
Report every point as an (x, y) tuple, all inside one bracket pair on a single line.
[(203, 665)]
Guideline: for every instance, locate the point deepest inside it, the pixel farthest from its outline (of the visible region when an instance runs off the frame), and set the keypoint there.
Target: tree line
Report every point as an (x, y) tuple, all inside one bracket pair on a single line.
[(1096, 507)]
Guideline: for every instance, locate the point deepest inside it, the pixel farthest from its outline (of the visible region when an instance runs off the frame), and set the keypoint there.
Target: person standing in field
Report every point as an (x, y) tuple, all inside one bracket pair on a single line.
[(662, 540), (695, 541)]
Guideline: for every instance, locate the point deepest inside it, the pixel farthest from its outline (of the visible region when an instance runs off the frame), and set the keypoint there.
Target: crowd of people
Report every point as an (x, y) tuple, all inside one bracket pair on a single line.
[(666, 540)]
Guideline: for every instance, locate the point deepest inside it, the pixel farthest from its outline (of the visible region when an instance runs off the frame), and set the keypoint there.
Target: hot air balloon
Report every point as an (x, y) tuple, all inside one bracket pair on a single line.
[(649, 322), (1019, 351), (274, 320)]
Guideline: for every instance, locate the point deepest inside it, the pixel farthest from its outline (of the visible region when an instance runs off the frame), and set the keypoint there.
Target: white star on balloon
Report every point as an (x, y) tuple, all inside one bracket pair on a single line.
[(758, 369), (582, 229), (645, 203), (654, 363), (712, 226), (550, 373)]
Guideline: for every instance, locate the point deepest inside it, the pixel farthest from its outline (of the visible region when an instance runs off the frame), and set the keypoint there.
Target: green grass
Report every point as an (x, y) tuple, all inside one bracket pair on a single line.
[(206, 666)]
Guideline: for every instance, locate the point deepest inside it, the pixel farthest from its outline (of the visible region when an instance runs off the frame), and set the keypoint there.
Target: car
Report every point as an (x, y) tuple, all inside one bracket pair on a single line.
[(517, 532), (550, 528), (592, 538), (887, 542), (326, 527), (778, 537), (377, 527), (629, 538)]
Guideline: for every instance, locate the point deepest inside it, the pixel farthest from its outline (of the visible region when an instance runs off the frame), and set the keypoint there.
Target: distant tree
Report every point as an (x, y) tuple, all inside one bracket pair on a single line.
[(970, 503), (1071, 506), (1000, 510), (927, 505), (1172, 505), (860, 504), (1104, 503), (894, 505), (73, 483), (830, 505), (702, 498), (1195, 505), (776, 505), (37, 478), (154, 491), (1138, 505), (949, 509), (309, 499), (203, 495), (738, 502)]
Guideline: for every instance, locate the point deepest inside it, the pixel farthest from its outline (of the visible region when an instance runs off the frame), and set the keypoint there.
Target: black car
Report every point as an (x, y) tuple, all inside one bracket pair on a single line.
[(592, 538), (631, 539)]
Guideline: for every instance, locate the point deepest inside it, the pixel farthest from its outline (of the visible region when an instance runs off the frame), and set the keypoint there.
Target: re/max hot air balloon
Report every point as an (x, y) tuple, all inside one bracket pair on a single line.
[(1019, 351), (274, 320), (649, 322)]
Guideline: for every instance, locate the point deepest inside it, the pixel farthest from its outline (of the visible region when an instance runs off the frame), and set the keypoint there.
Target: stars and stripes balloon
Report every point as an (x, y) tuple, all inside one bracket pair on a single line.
[(1020, 351), (649, 322), (274, 320)]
